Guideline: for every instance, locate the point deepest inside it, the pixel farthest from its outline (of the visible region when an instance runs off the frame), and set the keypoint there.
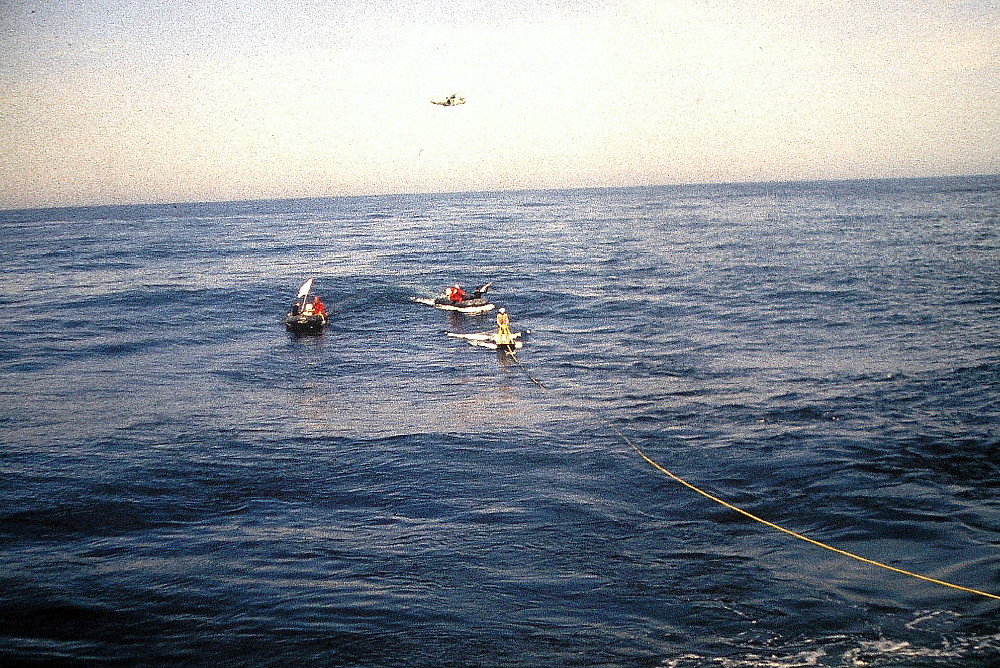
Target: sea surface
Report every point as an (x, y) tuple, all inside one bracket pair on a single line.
[(184, 483)]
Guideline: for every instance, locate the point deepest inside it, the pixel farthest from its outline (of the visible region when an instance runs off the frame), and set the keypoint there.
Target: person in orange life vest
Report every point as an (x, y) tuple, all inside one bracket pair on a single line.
[(318, 307), (503, 336), (455, 294)]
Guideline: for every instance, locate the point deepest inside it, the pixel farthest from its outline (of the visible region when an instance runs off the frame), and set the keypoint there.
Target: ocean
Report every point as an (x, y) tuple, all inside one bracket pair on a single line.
[(185, 483)]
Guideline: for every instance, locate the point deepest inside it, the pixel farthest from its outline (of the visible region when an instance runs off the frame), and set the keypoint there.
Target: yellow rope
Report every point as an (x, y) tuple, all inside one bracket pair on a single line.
[(533, 379), (793, 533)]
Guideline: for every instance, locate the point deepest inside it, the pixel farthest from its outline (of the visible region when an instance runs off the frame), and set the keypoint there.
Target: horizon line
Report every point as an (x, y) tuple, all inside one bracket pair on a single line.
[(679, 184)]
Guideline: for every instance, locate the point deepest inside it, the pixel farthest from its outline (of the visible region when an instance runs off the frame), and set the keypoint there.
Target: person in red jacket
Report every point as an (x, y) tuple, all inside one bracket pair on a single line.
[(456, 293), (318, 307)]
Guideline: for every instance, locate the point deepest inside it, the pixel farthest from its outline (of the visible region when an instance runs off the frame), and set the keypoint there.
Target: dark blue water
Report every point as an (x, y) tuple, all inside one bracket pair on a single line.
[(182, 482)]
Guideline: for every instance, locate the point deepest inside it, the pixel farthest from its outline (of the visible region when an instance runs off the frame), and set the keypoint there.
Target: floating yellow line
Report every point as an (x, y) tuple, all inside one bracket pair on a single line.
[(794, 534), (747, 514), (525, 369)]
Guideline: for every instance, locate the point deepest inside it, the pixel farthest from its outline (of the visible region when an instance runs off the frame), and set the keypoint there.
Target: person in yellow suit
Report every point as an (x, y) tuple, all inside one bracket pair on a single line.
[(503, 335)]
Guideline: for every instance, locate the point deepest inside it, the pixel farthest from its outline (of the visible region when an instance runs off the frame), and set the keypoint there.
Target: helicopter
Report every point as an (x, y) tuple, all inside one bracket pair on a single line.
[(452, 100)]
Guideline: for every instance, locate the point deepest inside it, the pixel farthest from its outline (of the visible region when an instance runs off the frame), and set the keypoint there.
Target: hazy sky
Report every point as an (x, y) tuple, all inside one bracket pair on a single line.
[(107, 101)]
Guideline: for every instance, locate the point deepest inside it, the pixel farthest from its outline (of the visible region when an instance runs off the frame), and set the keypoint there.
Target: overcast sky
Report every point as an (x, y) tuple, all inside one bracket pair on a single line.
[(188, 100)]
